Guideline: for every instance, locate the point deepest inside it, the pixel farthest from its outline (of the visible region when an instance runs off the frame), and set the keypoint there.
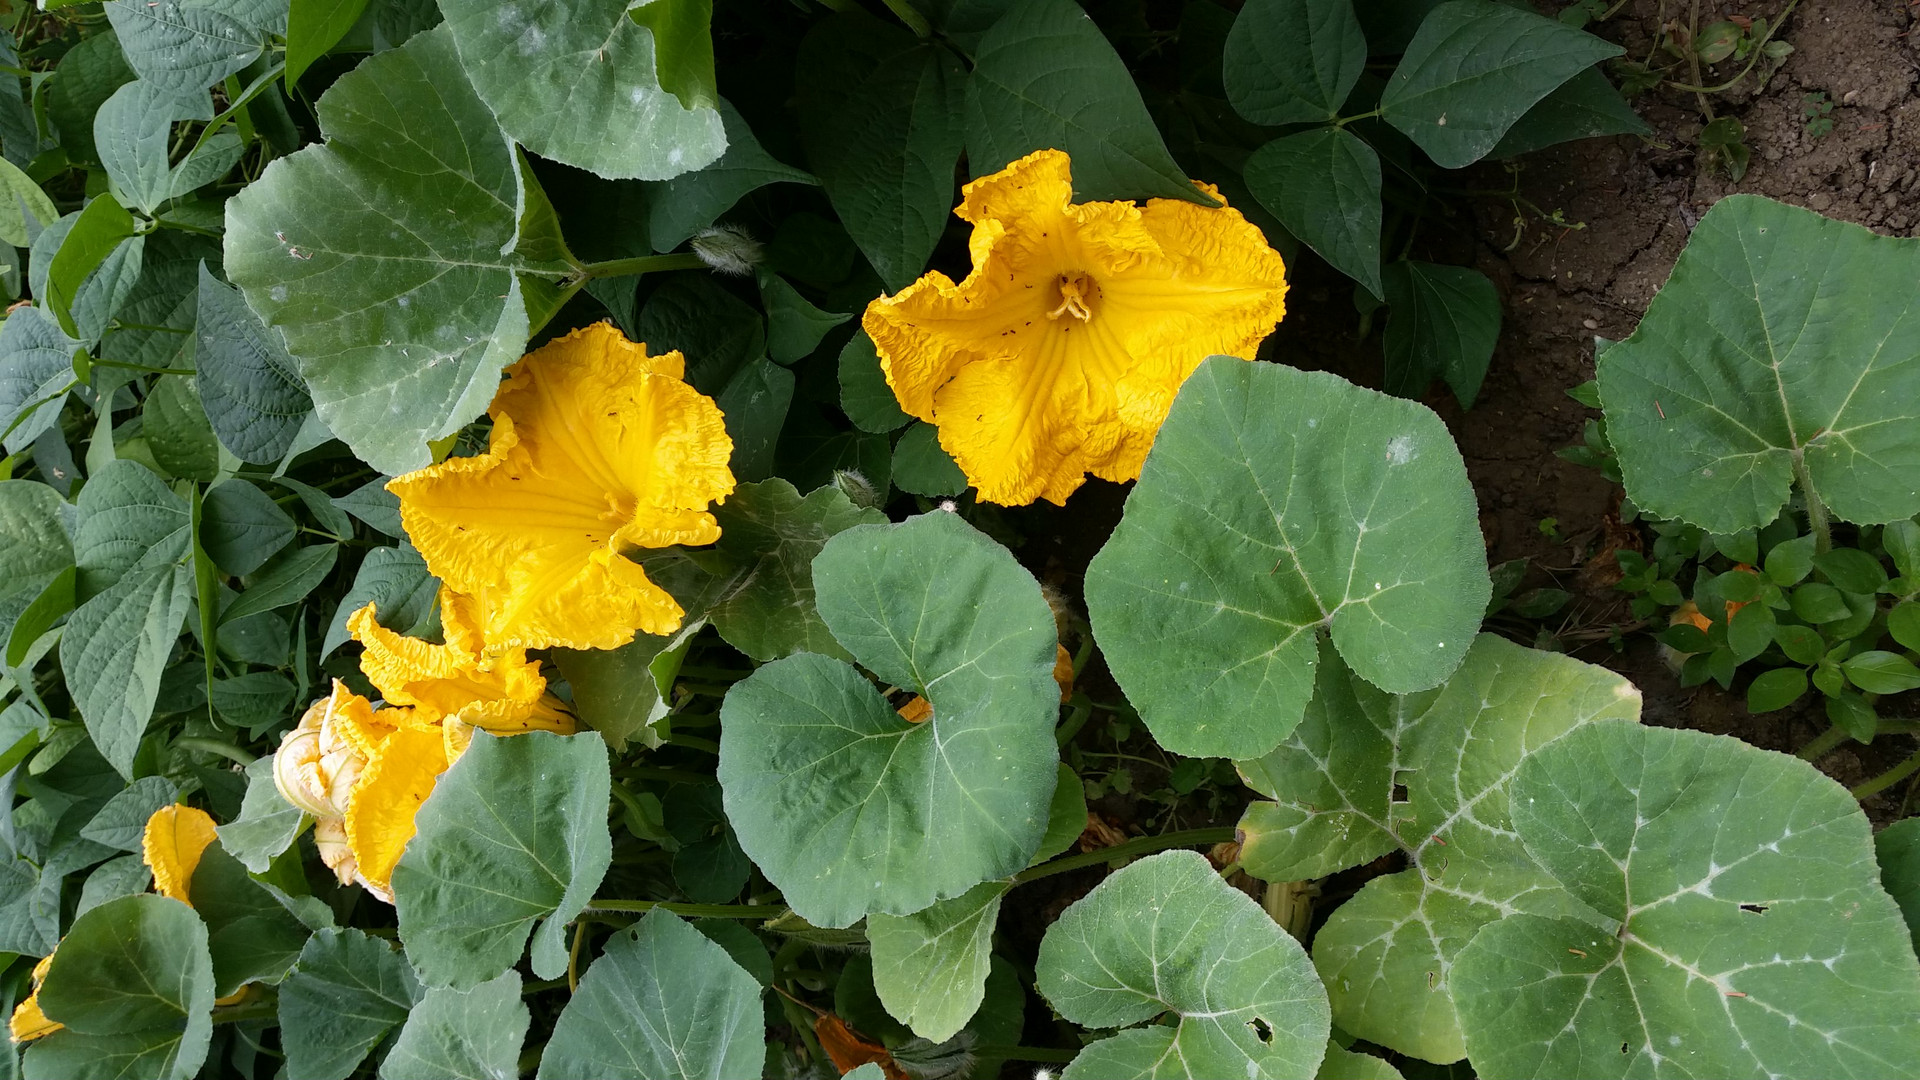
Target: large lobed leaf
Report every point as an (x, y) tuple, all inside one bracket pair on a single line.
[(1368, 773), (1276, 504), (1746, 934), (1784, 350), (1169, 935), (847, 807), (391, 258)]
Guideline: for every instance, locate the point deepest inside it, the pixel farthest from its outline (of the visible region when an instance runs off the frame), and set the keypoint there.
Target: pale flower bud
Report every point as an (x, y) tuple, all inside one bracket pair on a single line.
[(728, 249)]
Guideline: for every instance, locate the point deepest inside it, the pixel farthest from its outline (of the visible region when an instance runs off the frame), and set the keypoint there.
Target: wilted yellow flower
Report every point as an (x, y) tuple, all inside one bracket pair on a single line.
[(503, 692), (1061, 352), (597, 448), (175, 838), (28, 1021)]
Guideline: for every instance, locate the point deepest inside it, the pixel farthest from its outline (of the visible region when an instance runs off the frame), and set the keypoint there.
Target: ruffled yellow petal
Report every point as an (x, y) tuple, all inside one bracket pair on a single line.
[(1061, 352), (379, 819), (319, 760), (596, 448), (175, 838), (28, 1021)]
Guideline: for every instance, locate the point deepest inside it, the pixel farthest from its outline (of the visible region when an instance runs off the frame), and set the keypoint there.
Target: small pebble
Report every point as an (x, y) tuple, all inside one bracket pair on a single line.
[(1591, 324)]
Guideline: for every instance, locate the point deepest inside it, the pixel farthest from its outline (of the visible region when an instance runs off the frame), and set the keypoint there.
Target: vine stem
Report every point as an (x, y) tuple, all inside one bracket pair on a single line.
[(1822, 744), (1816, 510), (1143, 845), (642, 264), (1772, 29), (691, 911), (1889, 778)]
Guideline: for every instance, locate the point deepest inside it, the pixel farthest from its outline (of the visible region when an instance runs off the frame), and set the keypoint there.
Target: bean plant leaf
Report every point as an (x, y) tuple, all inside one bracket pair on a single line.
[(87, 76), (36, 370), (1276, 503), (133, 132), (851, 809), (578, 81), (181, 46), (1168, 934), (1045, 78), (864, 394), (121, 638), (267, 824), (514, 833), (1753, 937), (622, 693), (241, 527), (252, 390), (1293, 61), (127, 519), (178, 436), (692, 201), (347, 990), (1443, 324), (122, 823), (22, 200), (252, 936), (1324, 187), (1474, 68), (662, 1002), (462, 1033), (1584, 107), (774, 534), (1745, 378), (314, 27), (1368, 773), (388, 257), (133, 984), (880, 115), (34, 546), (395, 580)]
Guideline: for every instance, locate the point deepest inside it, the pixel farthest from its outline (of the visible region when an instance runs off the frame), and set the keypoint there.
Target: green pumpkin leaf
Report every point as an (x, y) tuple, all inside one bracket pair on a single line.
[(688, 203), (1293, 61), (1168, 934), (1779, 353), (514, 833), (578, 82), (1474, 68), (1324, 187), (850, 809), (662, 1002), (1898, 849), (1444, 323), (133, 983), (251, 389), (180, 46), (462, 1033), (1045, 78), (1368, 773), (921, 466), (880, 115), (36, 371), (622, 693), (389, 257), (772, 534), (121, 638), (930, 968), (267, 824), (347, 990), (1275, 504), (1753, 935)]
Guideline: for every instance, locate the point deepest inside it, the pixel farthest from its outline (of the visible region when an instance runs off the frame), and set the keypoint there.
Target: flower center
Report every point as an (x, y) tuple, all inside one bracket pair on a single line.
[(1078, 294)]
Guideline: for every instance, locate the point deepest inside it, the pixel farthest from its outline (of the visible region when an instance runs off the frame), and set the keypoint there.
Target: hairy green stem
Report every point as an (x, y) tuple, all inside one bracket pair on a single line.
[(691, 911), (1822, 744), (641, 264), (1816, 510), (1144, 845)]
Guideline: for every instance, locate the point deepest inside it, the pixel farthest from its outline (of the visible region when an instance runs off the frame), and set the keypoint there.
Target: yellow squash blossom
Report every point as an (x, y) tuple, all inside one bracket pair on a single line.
[(597, 448), (1061, 352), (503, 693), (171, 845)]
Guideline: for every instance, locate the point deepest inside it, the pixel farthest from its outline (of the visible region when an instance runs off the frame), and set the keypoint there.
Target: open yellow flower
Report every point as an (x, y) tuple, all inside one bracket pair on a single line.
[(504, 692), (28, 1022), (1061, 352), (597, 448)]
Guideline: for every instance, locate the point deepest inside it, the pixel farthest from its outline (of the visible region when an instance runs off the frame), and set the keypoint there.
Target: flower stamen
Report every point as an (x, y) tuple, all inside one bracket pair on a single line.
[(1077, 293)]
